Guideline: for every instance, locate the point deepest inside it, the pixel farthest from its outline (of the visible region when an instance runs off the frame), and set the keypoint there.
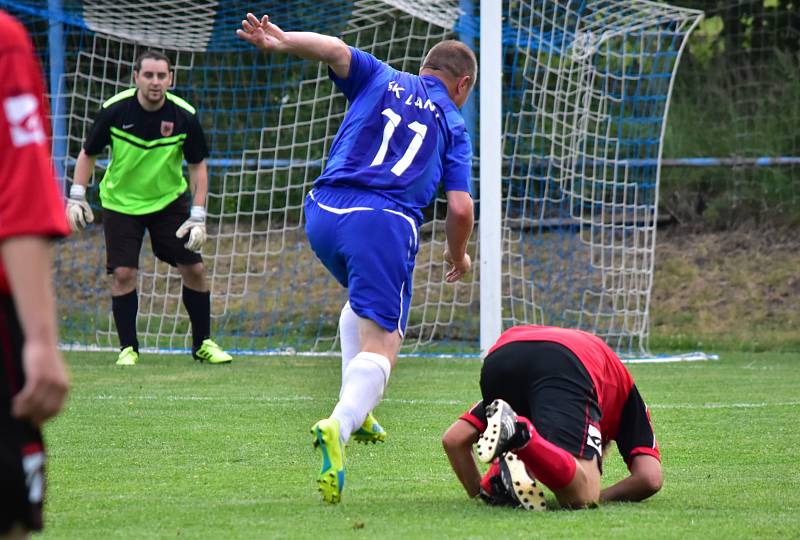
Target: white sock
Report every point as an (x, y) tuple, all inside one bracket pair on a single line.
[(362, 389), (348, 336)]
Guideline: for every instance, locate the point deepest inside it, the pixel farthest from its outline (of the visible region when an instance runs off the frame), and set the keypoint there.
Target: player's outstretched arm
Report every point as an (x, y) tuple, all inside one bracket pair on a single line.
[(458, 228), (457, 442), (268, 37), (27, 260), (644, 481)]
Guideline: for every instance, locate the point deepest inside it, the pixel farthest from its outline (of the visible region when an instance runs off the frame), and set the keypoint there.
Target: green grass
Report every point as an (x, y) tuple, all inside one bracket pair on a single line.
[(174, 449)]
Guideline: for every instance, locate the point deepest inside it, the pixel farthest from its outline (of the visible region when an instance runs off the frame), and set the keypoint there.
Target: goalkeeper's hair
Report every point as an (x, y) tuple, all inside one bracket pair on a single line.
[(151, 55), (453, 58)]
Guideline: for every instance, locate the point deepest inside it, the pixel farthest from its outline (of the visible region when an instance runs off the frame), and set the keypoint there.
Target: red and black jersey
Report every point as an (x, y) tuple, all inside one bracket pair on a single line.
[(31, 202), (624, 416)]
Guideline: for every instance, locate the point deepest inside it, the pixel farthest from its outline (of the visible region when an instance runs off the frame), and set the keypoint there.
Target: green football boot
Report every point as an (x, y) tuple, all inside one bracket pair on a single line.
[(331, 475), (370, 431), (212, 353), (127, 357)]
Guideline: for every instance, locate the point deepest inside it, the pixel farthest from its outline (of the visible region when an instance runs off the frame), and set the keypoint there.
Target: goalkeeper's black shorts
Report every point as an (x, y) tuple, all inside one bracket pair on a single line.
[(124, 235), (22, 453)]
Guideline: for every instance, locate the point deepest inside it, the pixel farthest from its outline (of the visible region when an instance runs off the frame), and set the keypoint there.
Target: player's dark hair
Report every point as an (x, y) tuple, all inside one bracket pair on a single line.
[(151, 55), (453, 58)]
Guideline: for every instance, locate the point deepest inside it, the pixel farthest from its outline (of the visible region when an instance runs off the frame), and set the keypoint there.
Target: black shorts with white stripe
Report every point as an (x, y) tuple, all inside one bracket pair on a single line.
[(21, 447)]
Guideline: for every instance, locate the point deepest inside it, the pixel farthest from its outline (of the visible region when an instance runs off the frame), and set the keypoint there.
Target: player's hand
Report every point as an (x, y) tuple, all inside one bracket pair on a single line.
[(457, 268), (195, 227), (79, 213), (46, 384), (262, 33)]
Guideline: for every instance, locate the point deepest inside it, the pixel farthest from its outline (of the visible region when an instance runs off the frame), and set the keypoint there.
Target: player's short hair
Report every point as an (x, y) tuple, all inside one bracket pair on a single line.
[(151, 55), (453, 58)]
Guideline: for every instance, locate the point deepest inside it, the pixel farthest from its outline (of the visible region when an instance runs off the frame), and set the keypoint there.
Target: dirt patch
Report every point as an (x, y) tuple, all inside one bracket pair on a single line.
[(712, 291), (738, 289)]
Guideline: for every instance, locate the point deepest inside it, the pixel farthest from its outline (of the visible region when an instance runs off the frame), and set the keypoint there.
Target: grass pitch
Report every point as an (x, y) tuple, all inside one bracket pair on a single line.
[(175, 449)]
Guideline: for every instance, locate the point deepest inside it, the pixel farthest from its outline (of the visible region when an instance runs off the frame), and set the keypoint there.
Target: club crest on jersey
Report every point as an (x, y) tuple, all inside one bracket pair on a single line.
[(166, 128)]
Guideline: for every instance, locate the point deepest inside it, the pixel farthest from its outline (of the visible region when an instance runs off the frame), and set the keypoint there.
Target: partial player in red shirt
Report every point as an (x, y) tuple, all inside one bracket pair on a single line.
[(33, 381), (556, 398)]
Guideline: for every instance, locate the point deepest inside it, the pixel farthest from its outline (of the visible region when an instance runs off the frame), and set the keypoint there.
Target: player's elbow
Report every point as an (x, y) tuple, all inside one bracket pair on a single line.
[(460, 207), (651, 482), (457, 438), (338, 57), (83, 157), (450, 442), (460, 218), (648, 483), (647, 476)]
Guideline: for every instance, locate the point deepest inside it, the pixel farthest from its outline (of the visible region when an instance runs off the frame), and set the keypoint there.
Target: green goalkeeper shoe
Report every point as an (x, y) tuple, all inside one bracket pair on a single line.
[(331, 475), (212, 353), (127, 357), (370, 431)]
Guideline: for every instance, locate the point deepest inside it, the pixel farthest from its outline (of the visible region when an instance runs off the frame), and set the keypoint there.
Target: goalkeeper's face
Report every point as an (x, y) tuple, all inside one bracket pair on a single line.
[(153, 80)]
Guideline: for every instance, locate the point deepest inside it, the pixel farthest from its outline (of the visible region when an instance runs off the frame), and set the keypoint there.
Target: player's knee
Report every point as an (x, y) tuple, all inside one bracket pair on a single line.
[(195, 271), (581, 504), (577, 498), (583, 491), (124, 277), (193, 275)]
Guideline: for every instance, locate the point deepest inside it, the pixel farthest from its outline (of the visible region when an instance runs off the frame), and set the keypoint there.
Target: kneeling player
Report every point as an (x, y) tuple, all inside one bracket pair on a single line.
[(554, 398)]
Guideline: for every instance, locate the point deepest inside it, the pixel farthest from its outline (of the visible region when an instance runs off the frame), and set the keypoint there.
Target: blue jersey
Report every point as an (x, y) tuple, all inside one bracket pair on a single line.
[(401, 136)]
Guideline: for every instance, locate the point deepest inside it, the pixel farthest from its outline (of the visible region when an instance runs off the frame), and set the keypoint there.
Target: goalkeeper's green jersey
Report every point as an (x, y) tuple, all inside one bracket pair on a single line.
[(145, 173)]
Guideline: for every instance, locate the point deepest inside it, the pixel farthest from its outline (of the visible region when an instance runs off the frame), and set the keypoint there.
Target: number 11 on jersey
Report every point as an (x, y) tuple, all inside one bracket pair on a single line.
[(408, 156)]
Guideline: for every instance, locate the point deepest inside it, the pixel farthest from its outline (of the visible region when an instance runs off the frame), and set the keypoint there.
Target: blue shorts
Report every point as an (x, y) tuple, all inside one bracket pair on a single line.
[(369, 245)]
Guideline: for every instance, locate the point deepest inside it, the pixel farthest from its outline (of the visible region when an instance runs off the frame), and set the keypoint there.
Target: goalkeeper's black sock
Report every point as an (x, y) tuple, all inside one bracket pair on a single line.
[(198, 305), (125, 308)]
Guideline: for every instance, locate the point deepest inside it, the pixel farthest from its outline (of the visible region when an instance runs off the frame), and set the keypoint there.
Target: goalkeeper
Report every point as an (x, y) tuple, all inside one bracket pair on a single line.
[(402, 136), (150, 132)]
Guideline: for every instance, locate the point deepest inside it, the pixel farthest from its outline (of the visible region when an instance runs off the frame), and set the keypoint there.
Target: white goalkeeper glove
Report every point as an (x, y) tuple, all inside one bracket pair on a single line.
[(195, 227), (79, 213)]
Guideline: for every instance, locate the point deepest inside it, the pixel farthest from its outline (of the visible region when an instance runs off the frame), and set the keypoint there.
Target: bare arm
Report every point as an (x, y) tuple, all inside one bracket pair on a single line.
[(84, 167), (27, 260), (457, 442), (458, 228), (644, 481), (309, 45), (198, 180), (195, 226)]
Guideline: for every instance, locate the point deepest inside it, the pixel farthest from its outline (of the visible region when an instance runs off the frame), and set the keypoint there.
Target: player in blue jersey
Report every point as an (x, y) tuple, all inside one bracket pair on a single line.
[(402, 137)]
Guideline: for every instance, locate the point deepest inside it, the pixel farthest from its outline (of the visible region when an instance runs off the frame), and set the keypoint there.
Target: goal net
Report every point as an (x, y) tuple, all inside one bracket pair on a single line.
[(586, 91), (585, 106), (738, 99)]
